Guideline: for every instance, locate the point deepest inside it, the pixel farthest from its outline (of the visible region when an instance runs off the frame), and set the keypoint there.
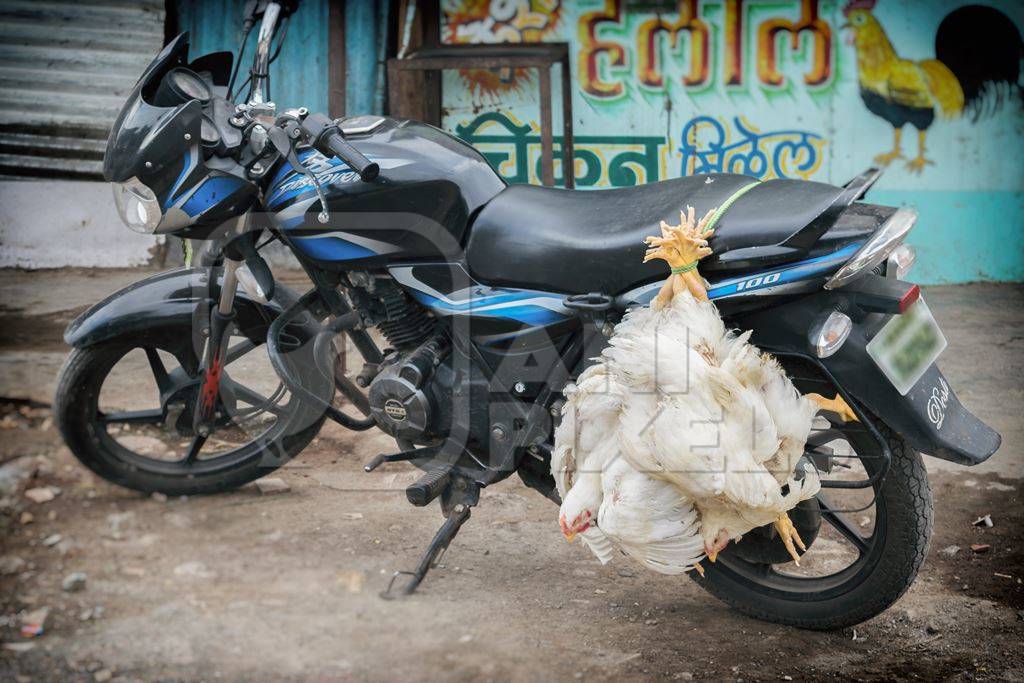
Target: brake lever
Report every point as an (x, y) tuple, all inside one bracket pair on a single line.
[(282, 142)]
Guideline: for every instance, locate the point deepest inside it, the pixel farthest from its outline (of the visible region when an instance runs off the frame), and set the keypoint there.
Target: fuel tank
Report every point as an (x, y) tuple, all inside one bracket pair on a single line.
[(430, 185)]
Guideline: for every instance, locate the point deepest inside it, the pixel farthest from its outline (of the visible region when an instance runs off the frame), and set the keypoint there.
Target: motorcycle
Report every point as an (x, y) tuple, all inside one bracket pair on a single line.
[(487, 299)]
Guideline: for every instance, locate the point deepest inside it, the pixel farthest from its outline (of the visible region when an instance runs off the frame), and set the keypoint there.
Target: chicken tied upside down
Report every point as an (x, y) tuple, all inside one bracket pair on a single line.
[(682, 436)]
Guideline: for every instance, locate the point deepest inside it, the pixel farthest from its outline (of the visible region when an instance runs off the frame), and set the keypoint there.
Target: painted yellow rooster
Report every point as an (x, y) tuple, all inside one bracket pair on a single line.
[(976, 69)]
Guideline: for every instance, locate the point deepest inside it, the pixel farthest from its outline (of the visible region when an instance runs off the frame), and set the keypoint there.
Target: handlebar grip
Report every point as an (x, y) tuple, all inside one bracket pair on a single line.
[(367, 170)]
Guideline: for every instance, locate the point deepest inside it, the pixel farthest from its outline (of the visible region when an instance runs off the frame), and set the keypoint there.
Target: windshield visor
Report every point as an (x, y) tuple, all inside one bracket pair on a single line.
[(147, 140)]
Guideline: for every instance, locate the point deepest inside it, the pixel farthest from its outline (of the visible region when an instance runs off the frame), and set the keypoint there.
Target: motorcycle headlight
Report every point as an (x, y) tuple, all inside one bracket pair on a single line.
[(137, 205)]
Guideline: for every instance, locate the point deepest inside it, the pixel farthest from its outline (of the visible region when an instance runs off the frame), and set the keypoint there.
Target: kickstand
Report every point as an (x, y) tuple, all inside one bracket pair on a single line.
[(431, 558)]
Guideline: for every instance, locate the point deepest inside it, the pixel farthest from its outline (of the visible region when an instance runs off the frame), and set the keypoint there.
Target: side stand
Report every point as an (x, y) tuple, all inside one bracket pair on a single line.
[(431, 558), (459, 496)]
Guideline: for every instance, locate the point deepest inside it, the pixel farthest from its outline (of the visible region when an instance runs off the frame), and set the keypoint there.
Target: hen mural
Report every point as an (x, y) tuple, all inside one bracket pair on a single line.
[(975, 72)]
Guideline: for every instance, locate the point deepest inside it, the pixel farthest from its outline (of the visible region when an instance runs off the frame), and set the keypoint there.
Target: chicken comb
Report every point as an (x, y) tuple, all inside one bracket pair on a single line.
[(858, 4)]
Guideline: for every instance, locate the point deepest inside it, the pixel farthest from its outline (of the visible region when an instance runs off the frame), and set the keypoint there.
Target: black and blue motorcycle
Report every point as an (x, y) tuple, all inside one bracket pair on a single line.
[(471, 304)]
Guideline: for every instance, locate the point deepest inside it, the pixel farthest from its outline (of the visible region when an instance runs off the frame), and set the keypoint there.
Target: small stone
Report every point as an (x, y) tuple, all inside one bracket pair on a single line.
[(26, 517), (103, 675), (351, 581), (352, 515), (651, 622), (119, 524), (52, 540), (34, 623), (133, 571), (980, 548), (194, 568), (625, 572), (786, 677), (269, 485), (466, 638), (42, 494), (85, 615), (159, 497), (931, 629), (950, 550), (984, 520), (18, 647), (683, 676), (74, 582), (11, 564)]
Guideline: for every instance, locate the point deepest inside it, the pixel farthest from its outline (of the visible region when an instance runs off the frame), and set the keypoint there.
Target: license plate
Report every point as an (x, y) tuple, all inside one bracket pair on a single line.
[(907, 346)]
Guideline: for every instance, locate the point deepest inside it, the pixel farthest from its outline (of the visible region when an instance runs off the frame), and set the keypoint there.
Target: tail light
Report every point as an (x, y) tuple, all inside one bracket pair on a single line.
[(876, 249)]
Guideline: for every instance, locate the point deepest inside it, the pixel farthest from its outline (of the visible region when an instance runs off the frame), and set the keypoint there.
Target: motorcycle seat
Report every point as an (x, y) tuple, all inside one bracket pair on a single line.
[(580, 241)]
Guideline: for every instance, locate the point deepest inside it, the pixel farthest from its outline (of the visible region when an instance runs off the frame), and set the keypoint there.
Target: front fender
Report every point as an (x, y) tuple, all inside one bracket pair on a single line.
[(930, 416), (168, 300)]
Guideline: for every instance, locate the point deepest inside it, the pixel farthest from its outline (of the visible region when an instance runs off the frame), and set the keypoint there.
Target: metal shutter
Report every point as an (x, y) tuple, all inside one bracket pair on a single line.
[(66, 68)]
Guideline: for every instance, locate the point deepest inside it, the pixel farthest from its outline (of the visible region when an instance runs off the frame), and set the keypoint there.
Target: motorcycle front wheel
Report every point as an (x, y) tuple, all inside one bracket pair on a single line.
[(125, 406), (865, 546)]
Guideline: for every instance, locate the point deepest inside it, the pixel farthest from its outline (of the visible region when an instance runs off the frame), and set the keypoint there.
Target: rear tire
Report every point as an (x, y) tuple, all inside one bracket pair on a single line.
[(906, 497)]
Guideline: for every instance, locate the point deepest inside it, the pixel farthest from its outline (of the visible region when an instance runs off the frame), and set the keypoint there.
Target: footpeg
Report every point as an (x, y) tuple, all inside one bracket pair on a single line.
[(431, 485)]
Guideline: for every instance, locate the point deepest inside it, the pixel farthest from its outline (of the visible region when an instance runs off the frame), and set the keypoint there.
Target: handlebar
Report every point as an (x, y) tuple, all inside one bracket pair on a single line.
[(328, 139)]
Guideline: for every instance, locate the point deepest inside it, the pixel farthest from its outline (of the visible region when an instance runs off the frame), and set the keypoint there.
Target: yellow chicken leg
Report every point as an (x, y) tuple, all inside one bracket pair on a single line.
[(682, 246), (834, 405), (889, 157), (790, 537), (917, 164)]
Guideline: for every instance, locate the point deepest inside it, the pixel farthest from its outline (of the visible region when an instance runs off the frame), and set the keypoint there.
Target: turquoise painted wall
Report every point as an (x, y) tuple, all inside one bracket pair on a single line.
[(771, 88), (299, 76)]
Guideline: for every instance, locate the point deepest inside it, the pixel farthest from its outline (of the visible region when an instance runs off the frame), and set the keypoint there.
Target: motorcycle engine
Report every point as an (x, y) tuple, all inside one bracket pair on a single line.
[(407, 395)]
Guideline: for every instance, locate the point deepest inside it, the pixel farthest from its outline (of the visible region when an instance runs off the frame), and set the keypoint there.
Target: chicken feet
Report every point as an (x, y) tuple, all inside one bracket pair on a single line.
[(790, 537), (834, 405), (917, 164), (889, 157), (681, 246)]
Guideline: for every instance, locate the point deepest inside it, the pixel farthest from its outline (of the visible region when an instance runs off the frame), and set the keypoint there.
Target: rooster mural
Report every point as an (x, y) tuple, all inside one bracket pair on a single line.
[(976, 70)]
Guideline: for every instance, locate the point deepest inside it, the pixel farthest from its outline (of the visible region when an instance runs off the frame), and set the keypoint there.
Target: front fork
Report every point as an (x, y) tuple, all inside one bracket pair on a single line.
[(221, 319)]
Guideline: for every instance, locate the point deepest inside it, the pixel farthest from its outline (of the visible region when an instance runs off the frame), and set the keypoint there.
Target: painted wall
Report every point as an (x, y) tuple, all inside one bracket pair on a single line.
[(772, 88), (299, 76)]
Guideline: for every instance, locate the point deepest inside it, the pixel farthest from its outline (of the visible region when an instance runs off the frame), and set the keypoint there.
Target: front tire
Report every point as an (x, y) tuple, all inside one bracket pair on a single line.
[(88, 435), (889, 567)]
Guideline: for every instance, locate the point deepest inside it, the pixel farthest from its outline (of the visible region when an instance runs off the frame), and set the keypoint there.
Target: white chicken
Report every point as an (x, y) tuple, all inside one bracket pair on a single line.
[(682, 436)]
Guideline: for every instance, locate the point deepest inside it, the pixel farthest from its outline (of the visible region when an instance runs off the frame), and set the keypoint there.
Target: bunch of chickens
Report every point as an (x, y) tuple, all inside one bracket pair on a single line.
[(682, 436)]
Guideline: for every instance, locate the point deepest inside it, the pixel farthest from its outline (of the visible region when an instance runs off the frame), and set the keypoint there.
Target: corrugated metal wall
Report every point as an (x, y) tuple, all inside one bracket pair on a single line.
[(65, 70), (299, 76)]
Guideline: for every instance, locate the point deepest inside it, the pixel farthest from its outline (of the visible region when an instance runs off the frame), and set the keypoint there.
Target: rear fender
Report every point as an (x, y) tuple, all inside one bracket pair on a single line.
[(929, 416)]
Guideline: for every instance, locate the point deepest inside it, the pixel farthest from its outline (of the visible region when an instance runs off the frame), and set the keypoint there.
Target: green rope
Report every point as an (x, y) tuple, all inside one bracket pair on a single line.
[(186, 247), (720, 211), (679, 270)]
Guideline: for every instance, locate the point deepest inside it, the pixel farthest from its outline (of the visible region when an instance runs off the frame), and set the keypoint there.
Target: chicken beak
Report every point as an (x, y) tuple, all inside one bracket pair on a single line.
[(570, 536)]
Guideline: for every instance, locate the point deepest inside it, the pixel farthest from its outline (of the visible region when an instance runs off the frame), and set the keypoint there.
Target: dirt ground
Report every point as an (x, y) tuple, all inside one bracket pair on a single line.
[(249, 586)]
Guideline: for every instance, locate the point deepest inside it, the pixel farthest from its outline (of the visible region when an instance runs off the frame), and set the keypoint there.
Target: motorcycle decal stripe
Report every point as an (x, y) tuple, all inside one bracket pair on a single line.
[(211, 192), (524, 307), (327, 172), (188, 163), (782, 279), (331, 248), (771, 279)]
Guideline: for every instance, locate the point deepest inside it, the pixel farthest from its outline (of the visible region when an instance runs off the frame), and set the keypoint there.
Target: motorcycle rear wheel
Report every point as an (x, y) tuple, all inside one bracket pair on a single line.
[(888, 560)]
